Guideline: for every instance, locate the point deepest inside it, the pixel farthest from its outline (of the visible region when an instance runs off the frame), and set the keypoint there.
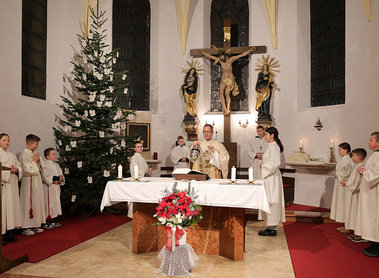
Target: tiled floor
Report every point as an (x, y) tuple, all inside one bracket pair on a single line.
[(110, 255)]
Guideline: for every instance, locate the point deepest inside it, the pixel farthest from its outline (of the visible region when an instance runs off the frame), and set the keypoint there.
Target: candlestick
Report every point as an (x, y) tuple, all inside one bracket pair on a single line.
[(233, 176), (136, 172), (251, 175), (119, 172)]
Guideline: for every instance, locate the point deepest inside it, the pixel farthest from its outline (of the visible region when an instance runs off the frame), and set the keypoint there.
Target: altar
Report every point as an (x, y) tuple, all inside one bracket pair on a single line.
[(222, 230)]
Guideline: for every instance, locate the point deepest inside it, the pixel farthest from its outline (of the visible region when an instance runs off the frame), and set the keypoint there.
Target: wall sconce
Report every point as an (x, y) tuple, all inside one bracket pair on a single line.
[(245, 124), (318, 125)]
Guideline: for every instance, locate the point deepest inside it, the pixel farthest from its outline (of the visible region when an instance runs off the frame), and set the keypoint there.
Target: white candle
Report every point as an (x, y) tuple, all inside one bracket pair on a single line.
[(119, 172), (331, 144), (233, 173), (136, 172), (251, 174), (301, 144)]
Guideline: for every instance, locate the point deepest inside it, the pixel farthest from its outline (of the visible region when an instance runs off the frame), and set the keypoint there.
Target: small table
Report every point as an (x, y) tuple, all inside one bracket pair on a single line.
[(222, 230)]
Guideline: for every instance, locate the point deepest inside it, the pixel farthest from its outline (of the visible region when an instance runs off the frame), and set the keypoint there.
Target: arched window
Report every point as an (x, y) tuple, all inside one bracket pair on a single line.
[(131, 33)]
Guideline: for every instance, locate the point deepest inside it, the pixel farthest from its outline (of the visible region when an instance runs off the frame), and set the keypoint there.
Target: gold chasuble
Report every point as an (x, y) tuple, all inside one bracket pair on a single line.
[(214, 164)]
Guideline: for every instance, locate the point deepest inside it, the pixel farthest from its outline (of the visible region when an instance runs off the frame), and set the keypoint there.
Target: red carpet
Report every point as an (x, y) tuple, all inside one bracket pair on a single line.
[(72, 232), (297, 207), (318, 250)]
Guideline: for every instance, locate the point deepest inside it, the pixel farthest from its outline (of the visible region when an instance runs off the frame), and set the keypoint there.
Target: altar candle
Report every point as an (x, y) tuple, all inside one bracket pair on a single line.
[(301, 144), (331, 144), (119, 175), (233, 173), (136, 172), (250, 174)]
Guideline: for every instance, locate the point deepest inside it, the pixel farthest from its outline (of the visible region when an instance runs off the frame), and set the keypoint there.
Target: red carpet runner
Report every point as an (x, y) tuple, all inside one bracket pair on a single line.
[(297, 207), (72, 232), (318, 250)]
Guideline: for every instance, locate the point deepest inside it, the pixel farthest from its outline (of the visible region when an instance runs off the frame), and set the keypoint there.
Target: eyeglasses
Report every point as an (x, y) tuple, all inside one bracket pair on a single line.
[(207, 131)]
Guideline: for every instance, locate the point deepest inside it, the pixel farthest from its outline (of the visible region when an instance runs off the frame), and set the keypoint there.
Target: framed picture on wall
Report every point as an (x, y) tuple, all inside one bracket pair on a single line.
[(142, 130)]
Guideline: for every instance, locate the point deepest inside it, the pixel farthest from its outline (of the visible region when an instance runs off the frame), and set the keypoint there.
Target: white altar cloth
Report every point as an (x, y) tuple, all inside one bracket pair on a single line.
[(215, 192)]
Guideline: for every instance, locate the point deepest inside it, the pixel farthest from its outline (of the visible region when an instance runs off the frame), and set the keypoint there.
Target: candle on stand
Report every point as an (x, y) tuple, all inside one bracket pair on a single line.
[(331, 144), (301, 144), (233, 177), (251, 174), (119, 174), (136, 172)]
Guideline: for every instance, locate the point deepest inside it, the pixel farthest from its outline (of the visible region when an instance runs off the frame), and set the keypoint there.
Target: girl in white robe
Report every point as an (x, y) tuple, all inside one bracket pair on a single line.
[(10, 217), (343, 171), (368, 209), (273, 182)]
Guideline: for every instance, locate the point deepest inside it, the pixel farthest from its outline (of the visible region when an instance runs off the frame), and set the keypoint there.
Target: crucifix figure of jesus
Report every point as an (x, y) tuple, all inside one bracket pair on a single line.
[(228, 83)]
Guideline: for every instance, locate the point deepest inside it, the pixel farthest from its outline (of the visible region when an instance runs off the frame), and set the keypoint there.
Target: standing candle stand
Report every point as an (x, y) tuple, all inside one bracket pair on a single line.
[(332, 158)]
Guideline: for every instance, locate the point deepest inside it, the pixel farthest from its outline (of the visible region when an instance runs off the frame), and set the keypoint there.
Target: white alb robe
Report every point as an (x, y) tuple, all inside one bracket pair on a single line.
[(257, 145), (343, 170), (367, 225), (214, 164), (177, 153), (11, 216), (352, 197), (52, 191), (274, 184), (138, 160), (31, 192)]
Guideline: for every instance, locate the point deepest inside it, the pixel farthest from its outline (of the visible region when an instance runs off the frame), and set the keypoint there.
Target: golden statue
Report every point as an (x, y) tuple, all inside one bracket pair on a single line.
[(189, 87)]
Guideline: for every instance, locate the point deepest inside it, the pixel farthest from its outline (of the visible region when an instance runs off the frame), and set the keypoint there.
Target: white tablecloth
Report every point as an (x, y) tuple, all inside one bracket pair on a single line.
[(213, 192)]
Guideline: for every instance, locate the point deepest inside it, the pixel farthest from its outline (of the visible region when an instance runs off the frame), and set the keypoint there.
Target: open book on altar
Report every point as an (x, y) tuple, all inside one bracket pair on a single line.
[(188, 174)]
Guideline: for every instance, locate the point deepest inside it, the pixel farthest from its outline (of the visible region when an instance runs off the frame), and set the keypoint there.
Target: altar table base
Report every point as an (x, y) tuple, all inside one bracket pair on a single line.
[(221, 231)]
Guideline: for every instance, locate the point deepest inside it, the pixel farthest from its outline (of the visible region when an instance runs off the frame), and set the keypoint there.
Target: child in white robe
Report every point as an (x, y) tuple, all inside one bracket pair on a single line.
[(180, 154), (138, 160), (367, 225), (273, 182), (343, 170), (52, 178), (10, 216), (352, 193), (31, 191)]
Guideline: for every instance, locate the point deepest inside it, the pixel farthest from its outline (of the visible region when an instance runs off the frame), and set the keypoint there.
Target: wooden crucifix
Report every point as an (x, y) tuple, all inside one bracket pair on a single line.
[(227, 84)]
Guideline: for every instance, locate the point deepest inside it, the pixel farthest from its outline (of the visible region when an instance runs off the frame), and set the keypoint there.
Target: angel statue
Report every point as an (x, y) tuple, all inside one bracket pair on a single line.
[(228, 84), (265, 83), (189, 87)]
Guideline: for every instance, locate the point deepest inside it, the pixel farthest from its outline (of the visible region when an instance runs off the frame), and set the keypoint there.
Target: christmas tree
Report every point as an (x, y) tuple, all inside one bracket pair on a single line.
[(91, 139)]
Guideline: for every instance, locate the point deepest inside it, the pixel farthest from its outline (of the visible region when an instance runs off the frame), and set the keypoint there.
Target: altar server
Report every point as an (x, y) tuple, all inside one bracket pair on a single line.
[(352, 193), (138, 160), (273, 182), (213, 158), (180, 154), (343, 171), (52, 178), (31, 192), (368, 208), (256, 149), (10, 216)]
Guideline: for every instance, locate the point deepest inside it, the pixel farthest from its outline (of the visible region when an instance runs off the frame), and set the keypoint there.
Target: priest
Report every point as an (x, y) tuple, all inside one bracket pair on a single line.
[(256, 149), (213, 158)]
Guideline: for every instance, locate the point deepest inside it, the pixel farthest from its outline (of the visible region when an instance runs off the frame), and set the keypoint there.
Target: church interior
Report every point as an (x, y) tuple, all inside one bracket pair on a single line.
[(351, 120)]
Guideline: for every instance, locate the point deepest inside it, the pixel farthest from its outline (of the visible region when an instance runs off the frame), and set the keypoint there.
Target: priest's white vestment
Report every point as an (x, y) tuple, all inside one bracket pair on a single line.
[(11, 217), (257, 145), (52, 191), (343, 170), (177, 153), (31, 192), (367, 225), (274, 184), (216, 163)]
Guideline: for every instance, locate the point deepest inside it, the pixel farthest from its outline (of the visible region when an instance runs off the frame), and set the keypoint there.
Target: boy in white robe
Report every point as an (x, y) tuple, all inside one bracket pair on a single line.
[(343, 171), (368, 209), (273, 182), (213, 158), (256, 149), (180, 154), (352, 193), (52, 178), (138, 160), (10, 216), (31, 192)]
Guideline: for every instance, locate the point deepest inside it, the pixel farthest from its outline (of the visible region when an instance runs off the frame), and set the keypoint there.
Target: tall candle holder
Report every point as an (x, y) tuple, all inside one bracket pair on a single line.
[(332, 158)]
